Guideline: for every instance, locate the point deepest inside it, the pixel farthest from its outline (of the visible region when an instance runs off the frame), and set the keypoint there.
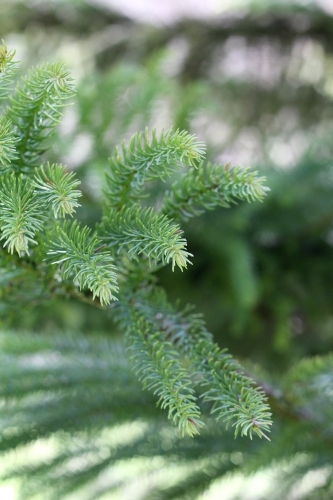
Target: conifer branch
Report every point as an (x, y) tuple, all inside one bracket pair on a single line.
[(211, 186), (235, 399), (146, 159), (79, 255), (7, 144), (157, 365), (154, 330), (57, 187), (141, 231), (8, 69), (21, 213), (35, 110)]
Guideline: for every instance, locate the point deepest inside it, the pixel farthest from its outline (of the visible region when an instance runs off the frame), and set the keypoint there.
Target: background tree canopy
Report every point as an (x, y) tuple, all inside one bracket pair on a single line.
[(255, 84)]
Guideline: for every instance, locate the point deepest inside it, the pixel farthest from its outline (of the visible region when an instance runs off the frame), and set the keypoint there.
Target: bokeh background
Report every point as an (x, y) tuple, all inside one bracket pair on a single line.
[(254, 81)]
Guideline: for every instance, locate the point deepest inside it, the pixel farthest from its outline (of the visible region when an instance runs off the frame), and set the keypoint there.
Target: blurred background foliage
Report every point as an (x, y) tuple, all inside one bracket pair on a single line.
[(255, 82)]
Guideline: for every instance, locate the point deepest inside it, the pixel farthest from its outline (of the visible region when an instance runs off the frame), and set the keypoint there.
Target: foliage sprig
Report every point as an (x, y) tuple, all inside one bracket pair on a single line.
[(157, 364), (212, 186), (21, 214), (172, 351), (80, 254), (57, 187), (35, 110), (7, 144), (8, 69), (141, 231), (145, 159), (234, 397)]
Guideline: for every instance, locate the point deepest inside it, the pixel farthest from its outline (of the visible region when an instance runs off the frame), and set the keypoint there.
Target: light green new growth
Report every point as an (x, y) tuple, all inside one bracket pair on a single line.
[(8, 69), (158, 366), (7, 144), (21, 214), (35, 110), (57, 187), (141, 231), (146, 159), (80, 255), (212, 186), (234, 397)]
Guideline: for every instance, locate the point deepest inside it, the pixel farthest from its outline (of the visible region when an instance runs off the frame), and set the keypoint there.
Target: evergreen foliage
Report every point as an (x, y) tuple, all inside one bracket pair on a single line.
[(80, 255), (33, 198), (35, 109), (81, 399), (210, 187), (141, 231), (146, 159), (266, 270), (21, 215), (58, 189)]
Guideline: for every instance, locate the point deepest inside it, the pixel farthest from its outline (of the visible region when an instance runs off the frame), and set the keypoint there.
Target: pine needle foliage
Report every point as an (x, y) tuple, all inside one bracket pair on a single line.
[(7, 144), (143, 231), (79, 396), (146, 159), (219, 377), (130, 243), (80, 255), (21, 213), (35, 110), (157, 364), (57, 187), (8, 69), (212, 186)]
